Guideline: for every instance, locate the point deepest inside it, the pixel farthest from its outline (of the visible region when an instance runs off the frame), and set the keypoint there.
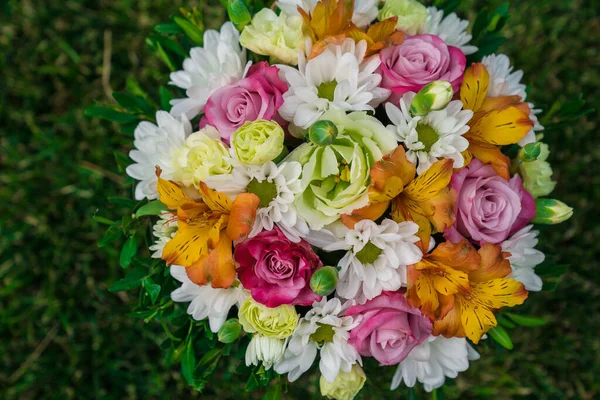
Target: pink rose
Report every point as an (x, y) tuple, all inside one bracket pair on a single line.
[(489, 208), (421, 59), (258, 96), (389, 328), (276, 270)]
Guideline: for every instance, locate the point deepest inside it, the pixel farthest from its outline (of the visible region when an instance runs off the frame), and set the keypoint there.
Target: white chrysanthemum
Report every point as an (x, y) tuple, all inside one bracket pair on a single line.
[(450, 29), (164, 230), (376, 259), (206, 301), (222, 61), (434, 360), (265, 350), (323, 329), (433, 136), (524, 257), (338, 78), (154, 146), (506, 82), (365, 11)]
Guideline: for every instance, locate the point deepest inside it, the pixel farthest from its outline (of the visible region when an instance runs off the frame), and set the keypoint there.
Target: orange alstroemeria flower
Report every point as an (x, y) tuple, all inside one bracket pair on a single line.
[(206, 230), (427, 199), (459, 288), (497, 121)]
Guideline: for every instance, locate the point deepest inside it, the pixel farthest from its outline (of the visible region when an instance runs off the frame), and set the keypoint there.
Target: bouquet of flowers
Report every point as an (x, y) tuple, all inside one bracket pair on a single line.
[(334, 181)]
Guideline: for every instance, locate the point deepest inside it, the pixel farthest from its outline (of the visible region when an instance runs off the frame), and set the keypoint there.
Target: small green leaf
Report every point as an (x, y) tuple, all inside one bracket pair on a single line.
[(191, 30), (501, 337), (122, 161), (438, 394), (504, 322), (110, 114), (112, 233), (132, 280), (188, 362), (123, 202), (155, 207), (524, 320), (152, 289), (252, 383), (128, 250), (165, 98), (102, 220), (168, 28), (275, 392)]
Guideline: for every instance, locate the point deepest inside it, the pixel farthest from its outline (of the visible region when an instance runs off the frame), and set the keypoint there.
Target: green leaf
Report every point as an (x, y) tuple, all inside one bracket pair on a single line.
[(191, 30), (128, 251), (275, 392), (501, 337), (165, 98), (188, 362), (504, 322), (110, 114), (123, 202), (168, 28), (438, 394), (112, 233), (127, 101), (122, 161), (157, 48), (155, 207), (252, 383), (152, 289), (548, 269), (132, 280), (103, 220), (524, 320)]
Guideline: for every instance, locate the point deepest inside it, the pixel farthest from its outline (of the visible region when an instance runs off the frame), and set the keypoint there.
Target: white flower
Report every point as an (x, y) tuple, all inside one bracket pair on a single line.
[(264, 349), (222, 61), (338, 78), (154, 146), (324, 329), (524, 257), (376, 259), (206, 301), (506, 82), (451, 29), (164, 230), (433, 136), (434, 360), (365, 11)]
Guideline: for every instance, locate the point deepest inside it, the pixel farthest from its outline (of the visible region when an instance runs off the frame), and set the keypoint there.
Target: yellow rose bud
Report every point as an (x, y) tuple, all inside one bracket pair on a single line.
[(277, 322), (411, 14), (257, 142), (346, 386)]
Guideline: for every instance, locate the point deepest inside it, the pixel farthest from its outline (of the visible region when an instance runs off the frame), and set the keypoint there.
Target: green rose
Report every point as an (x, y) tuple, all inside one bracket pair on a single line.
[(336, 176), (411, 14), (279, 37), (346, 386), (203, 154), (277, 322), (537, 174), (257, 142)]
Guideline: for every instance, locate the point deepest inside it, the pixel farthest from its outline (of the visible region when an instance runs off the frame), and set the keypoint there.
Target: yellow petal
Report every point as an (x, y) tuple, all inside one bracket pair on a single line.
[(476, 320), (474, 88), (427, 294), (493, 264), (431, 182), (190, 242), (170, 194), (499, 293), (500, 127), (216, 201), (390, 174), (402, 212)]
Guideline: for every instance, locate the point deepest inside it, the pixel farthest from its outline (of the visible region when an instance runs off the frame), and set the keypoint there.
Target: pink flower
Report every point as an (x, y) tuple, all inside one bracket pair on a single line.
[(389, 328), (258, 96), (276, 270), (489, 208), (421, 59)]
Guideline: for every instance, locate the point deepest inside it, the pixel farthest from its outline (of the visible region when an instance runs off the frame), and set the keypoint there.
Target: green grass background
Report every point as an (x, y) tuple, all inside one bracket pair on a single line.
[(64, 336)]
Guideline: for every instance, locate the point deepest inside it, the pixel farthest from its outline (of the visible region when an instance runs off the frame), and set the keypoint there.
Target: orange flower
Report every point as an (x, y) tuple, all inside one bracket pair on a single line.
[(206, 230), (497, 121), (460, 288)]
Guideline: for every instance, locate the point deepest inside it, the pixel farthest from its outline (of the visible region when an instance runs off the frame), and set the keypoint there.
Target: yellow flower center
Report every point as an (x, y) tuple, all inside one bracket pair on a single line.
[(427, 135), (326, 90), (265, 191), (369, 253), (323, 334)]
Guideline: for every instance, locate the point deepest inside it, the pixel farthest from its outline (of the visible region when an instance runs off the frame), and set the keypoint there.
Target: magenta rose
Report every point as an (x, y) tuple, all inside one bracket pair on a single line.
[(276, 270), (419, 60), (258, 96), (489, 208), (389, 329)]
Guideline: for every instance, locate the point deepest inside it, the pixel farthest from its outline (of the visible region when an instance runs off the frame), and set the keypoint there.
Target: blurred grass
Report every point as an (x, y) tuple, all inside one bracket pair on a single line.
[(64, 336)]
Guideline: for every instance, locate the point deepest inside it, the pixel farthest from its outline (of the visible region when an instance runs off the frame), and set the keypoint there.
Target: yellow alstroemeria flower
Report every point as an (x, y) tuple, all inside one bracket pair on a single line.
[(206, 230), (497, 121)]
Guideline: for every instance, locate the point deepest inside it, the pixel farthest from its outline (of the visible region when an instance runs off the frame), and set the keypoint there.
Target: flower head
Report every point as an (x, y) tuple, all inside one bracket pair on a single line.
[(524, 258), (277, 322), (365, 11), (411, 14), (450, 29), (264, 349), (346, 386), (257, 142), (537, 174)]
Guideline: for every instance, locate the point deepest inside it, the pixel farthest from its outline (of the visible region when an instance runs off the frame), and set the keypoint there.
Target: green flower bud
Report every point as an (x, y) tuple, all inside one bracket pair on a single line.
[(322, 133), (230, 331), (536, 174), (345, 386), (257, 142), (239, 13), (324, 281), (434, 96), (530, 152), (551, 211)]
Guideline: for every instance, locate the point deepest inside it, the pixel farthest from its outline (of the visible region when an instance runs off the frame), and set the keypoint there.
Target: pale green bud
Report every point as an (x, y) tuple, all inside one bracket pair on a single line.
[(551, 211), (239, 13), (530, 152), (324, 281), (411, 14), (434, 96), (230, 331), (257, 142), (537, 174), (322, 133), (345, 386)]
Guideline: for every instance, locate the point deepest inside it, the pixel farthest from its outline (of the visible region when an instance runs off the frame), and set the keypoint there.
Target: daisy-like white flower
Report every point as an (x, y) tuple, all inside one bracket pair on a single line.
[(524, 258), (154, 145), (222, 61), (451, 29), (206, 301), (265, 350), (339, 78), (164, 230), (504, 81), (376, 259), (433, 136), (323, 329), (434, 360), (365, 11)]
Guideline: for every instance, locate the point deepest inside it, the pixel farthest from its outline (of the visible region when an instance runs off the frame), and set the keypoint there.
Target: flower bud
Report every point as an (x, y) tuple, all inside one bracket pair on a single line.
[(276, 322), (324, 281), (434, 96), (346, 386), (264, 349), (239, 13), (551, 211), (257, 142), (230, 331), (530, 152), (322, 133), (537, 174)]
